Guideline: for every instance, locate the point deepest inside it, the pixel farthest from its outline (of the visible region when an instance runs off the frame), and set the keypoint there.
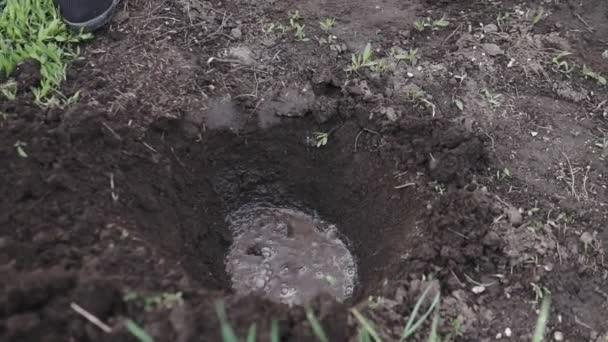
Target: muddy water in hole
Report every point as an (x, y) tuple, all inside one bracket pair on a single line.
[(287, 255)]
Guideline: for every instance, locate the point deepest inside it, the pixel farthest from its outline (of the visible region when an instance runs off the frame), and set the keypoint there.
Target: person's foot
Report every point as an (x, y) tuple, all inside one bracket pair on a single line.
[(86, 14)]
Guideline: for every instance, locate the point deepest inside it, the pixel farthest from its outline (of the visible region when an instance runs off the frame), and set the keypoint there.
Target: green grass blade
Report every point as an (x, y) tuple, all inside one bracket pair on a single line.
[(251, 334), (228, 334), (138, 331), (316, 326), (434, 335), (364, 336), (274, 331), (412, 326), (543, 317), (366, 325), (410, 321)]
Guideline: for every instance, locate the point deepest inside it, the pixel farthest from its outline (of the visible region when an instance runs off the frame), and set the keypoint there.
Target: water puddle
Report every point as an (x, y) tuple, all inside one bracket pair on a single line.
[(287, 255)]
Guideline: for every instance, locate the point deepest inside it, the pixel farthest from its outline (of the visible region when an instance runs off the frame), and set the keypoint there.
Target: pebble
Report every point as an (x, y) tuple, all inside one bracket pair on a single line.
[(586, 238), (492, 49), (508, 332), (558, 336), (514, 216), (478, 289), (236, 33), (490, 28)]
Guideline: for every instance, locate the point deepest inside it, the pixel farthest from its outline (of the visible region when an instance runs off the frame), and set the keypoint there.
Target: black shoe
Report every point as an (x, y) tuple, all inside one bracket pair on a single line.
[(86, 14)]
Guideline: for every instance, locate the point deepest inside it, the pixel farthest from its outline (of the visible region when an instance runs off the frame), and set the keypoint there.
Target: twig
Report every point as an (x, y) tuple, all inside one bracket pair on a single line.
[(361, 132), (96, 321), (112, 131), (112, 187), (149, 147), (572, 185), (406, 185), (459, 234), (399, 174), (559, 253), (177, 158), (581, 323), (357, 139), (451, 34), (589, 28), (478, 283), (457, 279), (585, 178)]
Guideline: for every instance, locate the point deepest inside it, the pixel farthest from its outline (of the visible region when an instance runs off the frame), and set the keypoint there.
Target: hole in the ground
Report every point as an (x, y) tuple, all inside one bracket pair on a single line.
[(336, 219)]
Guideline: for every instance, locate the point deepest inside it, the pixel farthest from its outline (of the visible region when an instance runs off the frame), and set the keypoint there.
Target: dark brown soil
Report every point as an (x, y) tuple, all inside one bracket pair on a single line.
[(127, 191)]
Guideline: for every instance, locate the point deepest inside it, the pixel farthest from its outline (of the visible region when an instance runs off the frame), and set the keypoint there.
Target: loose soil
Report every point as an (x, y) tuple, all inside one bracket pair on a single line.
[(191, 109)]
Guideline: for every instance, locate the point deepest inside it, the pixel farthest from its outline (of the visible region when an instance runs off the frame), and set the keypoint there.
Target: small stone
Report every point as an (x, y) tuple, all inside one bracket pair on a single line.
[(498, 336), (558, 336), (587, 238), (478, 289), (243, 54), (390, 114), (490, 28), (236, 33), (492, 49), (514, 216), (508, 332), (533, 134)]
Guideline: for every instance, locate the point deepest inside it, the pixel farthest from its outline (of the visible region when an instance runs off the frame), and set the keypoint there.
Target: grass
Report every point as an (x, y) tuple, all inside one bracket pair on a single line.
[(34, 29), (560, 64), (367, 330), (493, 100), (424, 23), (410, 56), (362, 60), (321, 138), (588, 73), (138, 332), (327, 24)]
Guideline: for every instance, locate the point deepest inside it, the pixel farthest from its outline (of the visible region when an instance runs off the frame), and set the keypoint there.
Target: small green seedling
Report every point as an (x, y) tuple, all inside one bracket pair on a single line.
[(422, 24), (440, 24), (503, 174), (19, 146), (362, 60), (380, 66), (459, 104), (438, 188), (410, 56), (299, 33), (321, 138), (275, 28), (493, 100), (588, 73), (540, 14), (327, 24), (561, 65), (421, 98), (294, 18)]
